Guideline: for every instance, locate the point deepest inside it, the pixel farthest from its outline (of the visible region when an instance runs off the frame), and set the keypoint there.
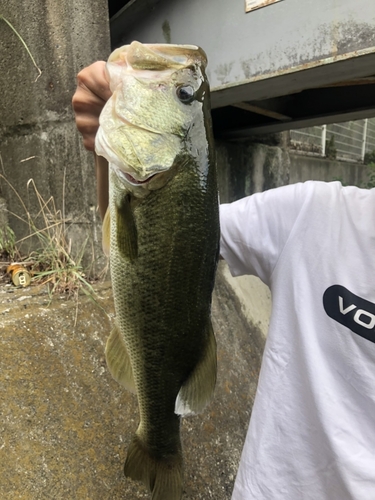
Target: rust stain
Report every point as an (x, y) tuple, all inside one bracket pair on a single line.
[(217, 91), (335, 39), (258, 4), (334, 42)]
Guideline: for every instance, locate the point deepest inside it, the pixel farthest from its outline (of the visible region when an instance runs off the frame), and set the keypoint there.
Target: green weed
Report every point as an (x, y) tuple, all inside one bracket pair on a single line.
[(8, 248)]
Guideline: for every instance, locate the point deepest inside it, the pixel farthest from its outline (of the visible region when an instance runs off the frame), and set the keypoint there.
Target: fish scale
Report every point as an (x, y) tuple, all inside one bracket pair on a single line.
[(175, 295), (164, 237)]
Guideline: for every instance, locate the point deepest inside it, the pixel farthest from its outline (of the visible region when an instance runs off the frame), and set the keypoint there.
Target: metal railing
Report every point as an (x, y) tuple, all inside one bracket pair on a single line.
[(348, 141)]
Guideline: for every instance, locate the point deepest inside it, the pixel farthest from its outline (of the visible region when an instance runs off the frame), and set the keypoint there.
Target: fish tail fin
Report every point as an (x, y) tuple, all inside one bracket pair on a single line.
[(163, 476)]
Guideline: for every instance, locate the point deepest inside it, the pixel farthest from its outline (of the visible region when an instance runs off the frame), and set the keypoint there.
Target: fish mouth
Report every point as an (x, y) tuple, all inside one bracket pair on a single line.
[(129, 179), (135, 182)]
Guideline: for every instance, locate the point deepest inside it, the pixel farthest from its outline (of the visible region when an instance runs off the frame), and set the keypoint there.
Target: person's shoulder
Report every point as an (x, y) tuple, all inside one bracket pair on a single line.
[(336, 188), (299, 193), (305, 188), (320, 186), (320, 189), (334, 195), (308, 194)]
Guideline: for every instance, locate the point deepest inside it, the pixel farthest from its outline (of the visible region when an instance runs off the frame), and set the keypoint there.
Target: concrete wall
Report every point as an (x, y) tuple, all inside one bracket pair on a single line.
[(303, 168), (249, 167), (245, 168), (38, 138)]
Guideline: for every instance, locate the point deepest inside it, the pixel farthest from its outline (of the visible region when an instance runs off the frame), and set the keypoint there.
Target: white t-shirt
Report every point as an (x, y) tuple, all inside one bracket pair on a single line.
[(312, 429)]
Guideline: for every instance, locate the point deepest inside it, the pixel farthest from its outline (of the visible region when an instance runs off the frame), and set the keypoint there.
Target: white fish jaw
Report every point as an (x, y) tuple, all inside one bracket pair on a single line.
[(141, 187), (126, 177)]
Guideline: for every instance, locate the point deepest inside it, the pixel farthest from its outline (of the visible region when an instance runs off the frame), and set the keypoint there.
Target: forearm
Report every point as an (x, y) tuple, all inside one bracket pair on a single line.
[(88, 101), (101, 169)]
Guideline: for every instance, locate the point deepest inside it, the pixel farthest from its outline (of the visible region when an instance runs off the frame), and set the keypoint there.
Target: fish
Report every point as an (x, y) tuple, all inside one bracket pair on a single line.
[(161, 232)]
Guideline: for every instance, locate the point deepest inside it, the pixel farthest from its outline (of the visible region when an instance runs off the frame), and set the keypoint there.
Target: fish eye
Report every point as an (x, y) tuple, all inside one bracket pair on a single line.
[(185, 93)]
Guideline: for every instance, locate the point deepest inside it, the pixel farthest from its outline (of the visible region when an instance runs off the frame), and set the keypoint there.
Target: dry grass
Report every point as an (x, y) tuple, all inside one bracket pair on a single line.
[(51, 262), (2, 18)]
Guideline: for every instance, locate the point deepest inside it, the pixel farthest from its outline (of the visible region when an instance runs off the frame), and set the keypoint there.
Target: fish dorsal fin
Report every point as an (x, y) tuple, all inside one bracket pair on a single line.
[(127, 239), (106, 233), (198, 390), (118, 360)]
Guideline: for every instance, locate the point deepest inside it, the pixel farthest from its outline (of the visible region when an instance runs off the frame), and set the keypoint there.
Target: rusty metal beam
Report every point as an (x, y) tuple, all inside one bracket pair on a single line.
[(262, 111), (349, 83), (307, 108), (271, 128)]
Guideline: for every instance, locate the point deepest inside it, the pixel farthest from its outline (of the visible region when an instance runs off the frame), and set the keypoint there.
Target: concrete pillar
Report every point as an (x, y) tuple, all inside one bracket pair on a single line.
[(38, 138)]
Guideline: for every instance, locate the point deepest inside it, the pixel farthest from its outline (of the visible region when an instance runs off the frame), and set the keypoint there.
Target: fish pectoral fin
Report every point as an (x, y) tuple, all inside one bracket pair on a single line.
[(162, 476), (127, 239), (106, 233), (118, 360), (198, 390)]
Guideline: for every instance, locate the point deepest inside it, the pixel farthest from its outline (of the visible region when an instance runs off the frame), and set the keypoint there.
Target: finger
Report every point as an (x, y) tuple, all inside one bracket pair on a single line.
[(89, 143), (91, 94), (94, 79), (85, 101), (87, 124)]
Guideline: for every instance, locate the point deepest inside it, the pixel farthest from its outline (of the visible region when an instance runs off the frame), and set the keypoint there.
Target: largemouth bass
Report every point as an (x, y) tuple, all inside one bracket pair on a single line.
[(162, 234)]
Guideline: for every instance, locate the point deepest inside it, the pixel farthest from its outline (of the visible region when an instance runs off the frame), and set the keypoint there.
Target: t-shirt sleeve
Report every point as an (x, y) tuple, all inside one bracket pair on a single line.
[(255, 229)]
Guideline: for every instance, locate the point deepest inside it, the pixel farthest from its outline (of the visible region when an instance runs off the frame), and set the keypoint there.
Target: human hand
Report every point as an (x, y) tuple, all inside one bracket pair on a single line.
[(88, 100)]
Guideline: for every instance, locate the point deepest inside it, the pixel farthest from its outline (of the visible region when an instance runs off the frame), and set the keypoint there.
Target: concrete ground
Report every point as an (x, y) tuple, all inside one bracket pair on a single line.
[(65, 424)]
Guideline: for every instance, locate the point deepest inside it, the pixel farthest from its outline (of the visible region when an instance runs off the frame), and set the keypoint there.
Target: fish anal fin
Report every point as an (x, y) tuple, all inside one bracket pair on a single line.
[(106, 233), (118, 360), (127, 239), (198, 389), (162, 476)]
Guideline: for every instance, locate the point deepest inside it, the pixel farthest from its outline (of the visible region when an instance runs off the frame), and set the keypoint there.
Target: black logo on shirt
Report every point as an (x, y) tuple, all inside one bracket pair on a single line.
[(351, 311)]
